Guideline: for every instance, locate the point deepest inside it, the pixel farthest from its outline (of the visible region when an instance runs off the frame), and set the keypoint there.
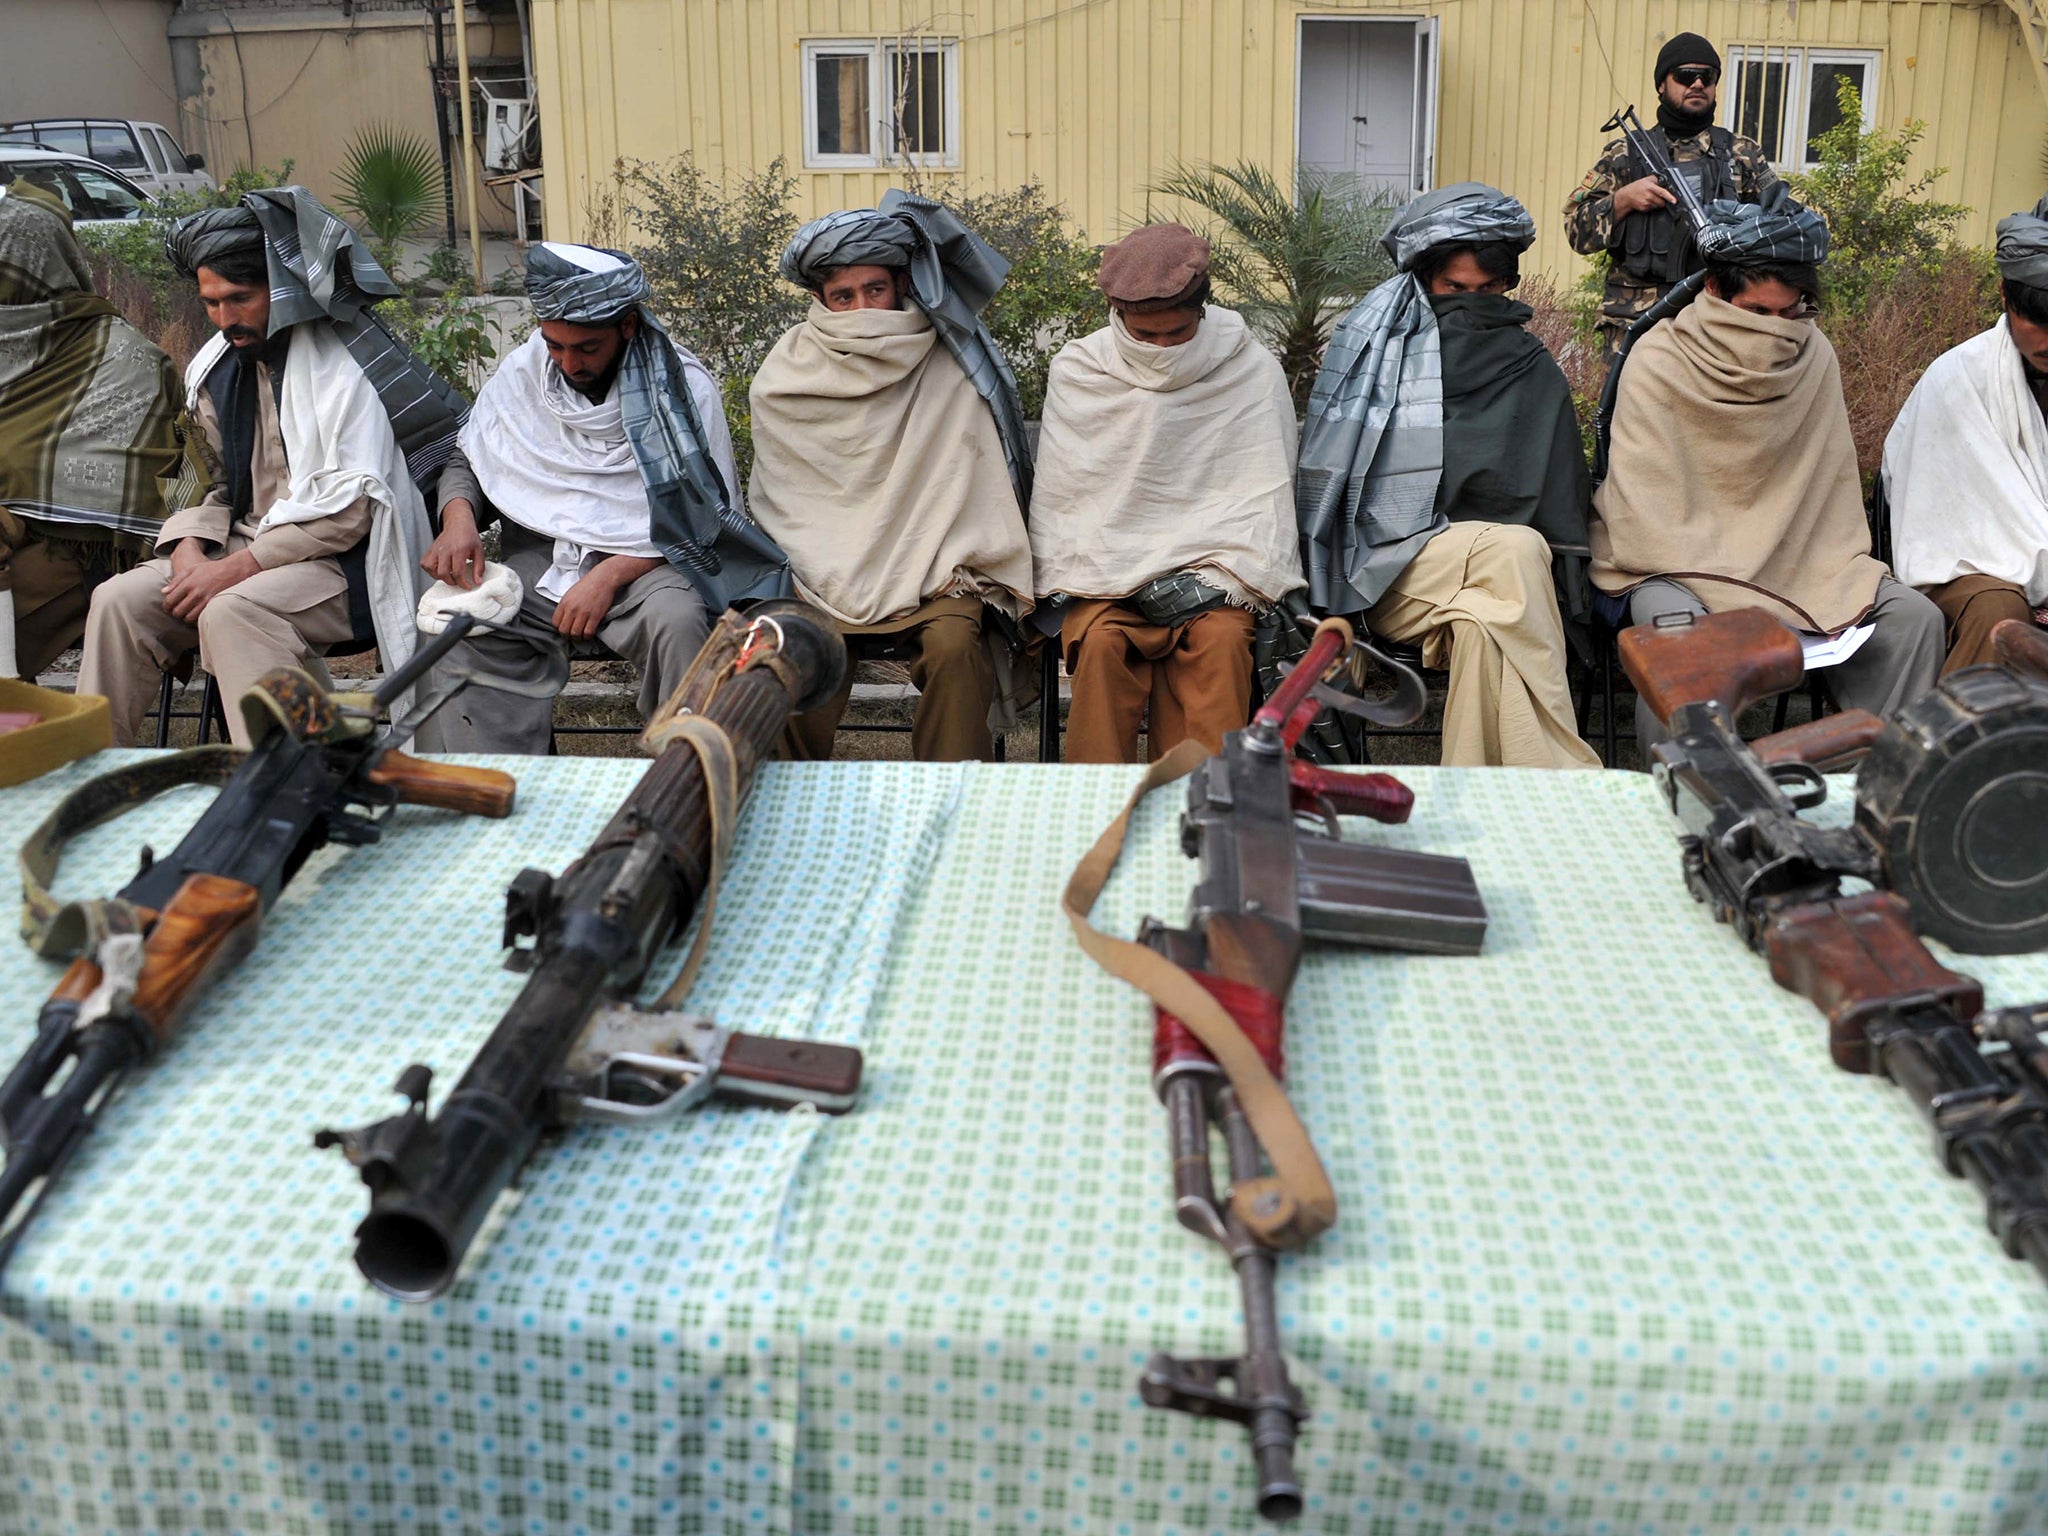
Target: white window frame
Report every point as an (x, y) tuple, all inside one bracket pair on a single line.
[(1798, 63), (881, 121)]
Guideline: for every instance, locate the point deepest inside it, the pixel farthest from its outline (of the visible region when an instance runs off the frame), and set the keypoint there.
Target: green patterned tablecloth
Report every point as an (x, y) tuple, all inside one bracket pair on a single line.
[(1620, 1251)]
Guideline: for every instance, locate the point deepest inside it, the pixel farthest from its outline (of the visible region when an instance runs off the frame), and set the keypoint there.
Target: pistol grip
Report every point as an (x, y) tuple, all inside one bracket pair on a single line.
[(763, 1070), (1832, 742), (1378, 795), (444, 786)]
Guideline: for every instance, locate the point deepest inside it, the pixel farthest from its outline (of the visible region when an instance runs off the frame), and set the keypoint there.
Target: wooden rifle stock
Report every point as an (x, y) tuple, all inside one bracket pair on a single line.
[(2021, 646), (209, 925), (1735, 658), (1832, 742), (444, 786), (1857, 957)]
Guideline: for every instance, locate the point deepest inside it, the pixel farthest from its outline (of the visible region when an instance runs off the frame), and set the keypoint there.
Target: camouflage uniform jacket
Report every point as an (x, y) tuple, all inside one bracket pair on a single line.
[(1591, 227)]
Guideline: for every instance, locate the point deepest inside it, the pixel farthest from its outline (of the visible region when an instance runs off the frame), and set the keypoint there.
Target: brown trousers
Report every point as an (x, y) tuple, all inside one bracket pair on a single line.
[(956, 685), (1973, 605), (1197, 678)]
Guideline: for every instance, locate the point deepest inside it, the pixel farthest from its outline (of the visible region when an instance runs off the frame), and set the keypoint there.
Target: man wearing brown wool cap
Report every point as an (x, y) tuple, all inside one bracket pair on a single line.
[(1163, 516)]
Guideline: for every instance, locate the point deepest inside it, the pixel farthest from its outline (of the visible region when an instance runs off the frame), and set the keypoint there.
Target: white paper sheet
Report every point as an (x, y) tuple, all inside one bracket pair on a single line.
[(1833, 650)]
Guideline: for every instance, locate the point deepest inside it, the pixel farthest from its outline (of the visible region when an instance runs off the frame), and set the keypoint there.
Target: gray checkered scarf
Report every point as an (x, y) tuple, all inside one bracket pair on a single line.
[(695, 519), (954, 274), (1372, 451), (2023, 246), (1777, 230), (320, 270)]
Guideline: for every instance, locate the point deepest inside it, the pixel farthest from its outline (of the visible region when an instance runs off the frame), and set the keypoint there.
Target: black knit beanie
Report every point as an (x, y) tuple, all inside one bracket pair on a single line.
[(1685, 48)]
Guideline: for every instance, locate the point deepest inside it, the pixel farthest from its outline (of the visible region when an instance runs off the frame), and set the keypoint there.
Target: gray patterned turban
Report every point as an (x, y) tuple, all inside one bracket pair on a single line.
[(1469, 212), (2023, 247), (202, 239), (852, 237), (1777, 231), (582, 284)]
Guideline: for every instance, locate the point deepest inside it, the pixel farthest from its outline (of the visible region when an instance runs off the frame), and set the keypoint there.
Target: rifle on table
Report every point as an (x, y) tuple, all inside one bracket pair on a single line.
[(573, 1046), (321, 771), (1644, 146), (1892, 1008), (1267, 885)]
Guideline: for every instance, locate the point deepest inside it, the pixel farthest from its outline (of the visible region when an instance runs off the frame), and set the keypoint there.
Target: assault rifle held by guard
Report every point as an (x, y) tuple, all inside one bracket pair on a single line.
[(1650, 154), (321, 771), (573, 1045), (1269, 883), (1893, 1009)]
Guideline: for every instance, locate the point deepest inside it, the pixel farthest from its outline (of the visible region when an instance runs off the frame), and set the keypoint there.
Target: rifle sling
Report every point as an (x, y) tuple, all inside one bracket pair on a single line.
[(54, 928), (1297, 1202)]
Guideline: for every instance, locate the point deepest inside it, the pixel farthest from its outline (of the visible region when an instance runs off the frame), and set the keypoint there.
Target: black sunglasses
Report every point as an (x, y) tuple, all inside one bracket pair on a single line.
[(1700, 75)]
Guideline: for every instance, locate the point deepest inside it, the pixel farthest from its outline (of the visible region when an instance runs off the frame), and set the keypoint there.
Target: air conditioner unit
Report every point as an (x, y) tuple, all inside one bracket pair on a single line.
[(505, 123)]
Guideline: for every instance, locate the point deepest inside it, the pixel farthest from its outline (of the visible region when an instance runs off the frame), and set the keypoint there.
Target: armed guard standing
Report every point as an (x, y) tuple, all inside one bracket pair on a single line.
[(1621, 207)]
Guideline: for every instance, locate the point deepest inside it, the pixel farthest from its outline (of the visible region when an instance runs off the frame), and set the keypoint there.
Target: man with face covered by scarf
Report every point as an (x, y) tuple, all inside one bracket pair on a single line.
[(890, 460), (1966, 464), (1163, 505), (1622, 209), (1440, 468), (1731, 471)]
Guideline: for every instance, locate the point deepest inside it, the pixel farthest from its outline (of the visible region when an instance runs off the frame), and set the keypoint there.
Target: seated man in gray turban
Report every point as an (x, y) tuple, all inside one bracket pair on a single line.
[(1163, 510), (890, 459), (603, 449), (313, 425), (1440, 468), (88, 429), (1731, 473), (1966, 464)]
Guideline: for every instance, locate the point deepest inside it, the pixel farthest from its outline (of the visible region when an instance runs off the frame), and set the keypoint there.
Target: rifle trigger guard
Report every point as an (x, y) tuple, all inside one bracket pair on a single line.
[(1804, 785), (635, 1066)]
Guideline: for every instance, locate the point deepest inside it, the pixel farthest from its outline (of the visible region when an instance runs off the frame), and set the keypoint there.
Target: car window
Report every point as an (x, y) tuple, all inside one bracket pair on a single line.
[(150, 152), (113, 144), (102, 197), (46, 174), (70, 140), (174, 157), (18, 136)]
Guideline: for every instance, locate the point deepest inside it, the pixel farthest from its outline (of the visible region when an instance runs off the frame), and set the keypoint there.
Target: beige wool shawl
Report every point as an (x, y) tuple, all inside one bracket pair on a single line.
[(1156, 460), (1732, 471), (878, 469)]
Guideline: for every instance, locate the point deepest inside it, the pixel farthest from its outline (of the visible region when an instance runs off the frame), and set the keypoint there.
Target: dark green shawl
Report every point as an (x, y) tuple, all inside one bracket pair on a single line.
[(1512, 452)]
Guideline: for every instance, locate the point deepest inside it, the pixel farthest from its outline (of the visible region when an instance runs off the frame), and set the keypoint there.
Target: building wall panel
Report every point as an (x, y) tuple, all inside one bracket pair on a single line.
[(1099, 98)]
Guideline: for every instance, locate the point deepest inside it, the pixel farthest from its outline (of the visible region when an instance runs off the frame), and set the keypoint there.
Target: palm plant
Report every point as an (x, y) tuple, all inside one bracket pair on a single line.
[(391, 181), (1292, 264)]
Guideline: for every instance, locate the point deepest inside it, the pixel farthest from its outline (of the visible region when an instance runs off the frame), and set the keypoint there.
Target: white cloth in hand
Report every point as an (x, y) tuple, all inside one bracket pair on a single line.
[(493, 600)]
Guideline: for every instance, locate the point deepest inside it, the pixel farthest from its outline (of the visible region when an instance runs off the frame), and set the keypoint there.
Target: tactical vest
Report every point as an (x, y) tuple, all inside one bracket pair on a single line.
[(1657, 247)]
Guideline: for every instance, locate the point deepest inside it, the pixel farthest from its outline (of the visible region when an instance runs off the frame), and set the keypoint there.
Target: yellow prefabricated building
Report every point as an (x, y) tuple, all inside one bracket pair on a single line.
[(1096, 99)]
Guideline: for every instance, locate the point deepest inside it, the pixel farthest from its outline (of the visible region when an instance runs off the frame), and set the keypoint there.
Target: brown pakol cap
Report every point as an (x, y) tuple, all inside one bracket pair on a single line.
[(1162, 266)]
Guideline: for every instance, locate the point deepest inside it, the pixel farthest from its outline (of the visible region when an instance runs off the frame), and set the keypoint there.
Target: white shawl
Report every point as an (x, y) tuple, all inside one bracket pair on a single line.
[(1966, 471), (338, 442), (1156, 460), (563, 467)]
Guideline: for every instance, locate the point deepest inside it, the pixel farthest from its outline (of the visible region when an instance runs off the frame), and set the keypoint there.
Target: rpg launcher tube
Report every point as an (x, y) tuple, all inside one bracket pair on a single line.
[(596, 929)]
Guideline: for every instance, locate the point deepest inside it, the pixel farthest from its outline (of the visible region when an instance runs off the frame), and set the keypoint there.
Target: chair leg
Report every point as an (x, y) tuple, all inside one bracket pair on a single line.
[(1611, 749), (164, 693), (211, 711), (1002, 748), (1778, 718), (1049, 700)]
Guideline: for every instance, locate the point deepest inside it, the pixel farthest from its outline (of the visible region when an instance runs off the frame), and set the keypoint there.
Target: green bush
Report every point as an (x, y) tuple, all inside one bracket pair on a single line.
[(709, 248), (1050, 297), (1292, 265), (1880, 225)]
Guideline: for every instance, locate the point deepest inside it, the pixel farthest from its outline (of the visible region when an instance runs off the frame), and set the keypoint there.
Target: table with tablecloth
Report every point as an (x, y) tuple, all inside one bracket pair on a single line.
[(1619, 1249)]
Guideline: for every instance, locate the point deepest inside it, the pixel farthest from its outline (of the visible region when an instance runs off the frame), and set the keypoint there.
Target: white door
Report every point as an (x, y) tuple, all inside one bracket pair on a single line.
[(1366, 104)]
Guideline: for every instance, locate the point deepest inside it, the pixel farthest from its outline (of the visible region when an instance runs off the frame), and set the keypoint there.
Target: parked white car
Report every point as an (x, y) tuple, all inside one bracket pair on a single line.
[(143, 152), (93, 193)]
